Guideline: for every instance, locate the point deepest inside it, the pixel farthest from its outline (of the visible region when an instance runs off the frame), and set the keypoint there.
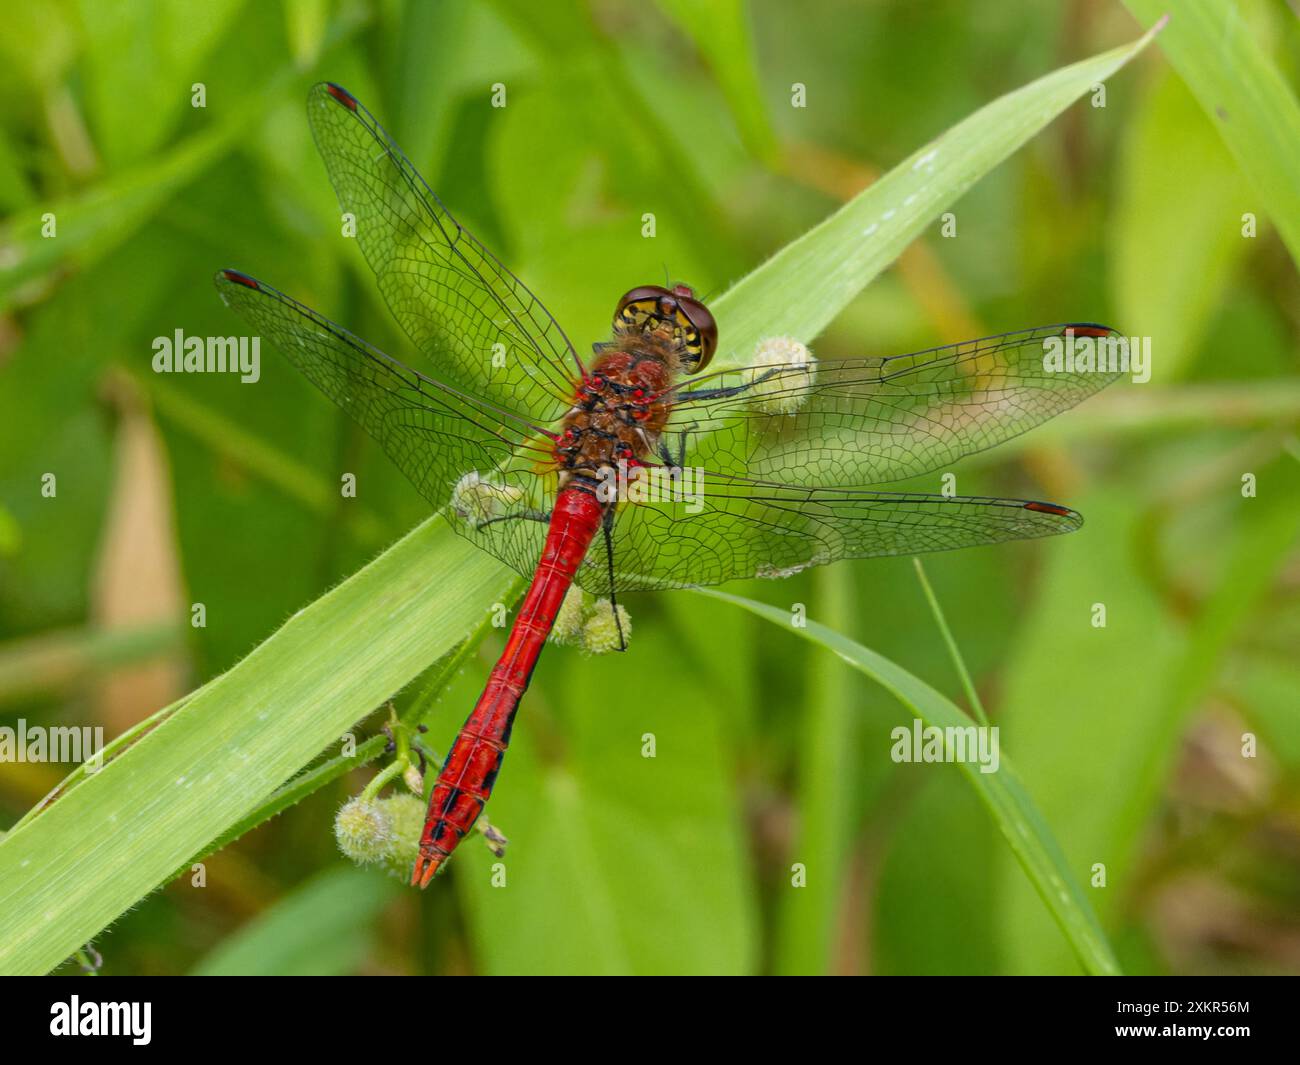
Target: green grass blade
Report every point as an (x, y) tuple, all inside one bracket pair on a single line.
[(800, 289), (954, 652), (1013, 811), (1256, 113)]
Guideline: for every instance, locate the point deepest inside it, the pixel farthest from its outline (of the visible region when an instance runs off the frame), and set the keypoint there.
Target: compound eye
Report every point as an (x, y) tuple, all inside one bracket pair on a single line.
[(638, 307), (702, 335), (642, 294)]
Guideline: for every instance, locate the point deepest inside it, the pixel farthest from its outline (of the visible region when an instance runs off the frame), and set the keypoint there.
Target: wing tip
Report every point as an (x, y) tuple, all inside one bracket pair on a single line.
[(1089, 329), (336, 92), (1073, 519), (237, 277)]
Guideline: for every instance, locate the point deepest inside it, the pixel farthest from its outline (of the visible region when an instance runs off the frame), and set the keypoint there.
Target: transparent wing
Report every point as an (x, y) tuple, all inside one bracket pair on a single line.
[(742, 528), (456, 449), (479, 324), (859, 422)]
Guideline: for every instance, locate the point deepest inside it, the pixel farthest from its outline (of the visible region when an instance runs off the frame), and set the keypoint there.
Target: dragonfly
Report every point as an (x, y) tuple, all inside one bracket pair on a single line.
[(534, 454)]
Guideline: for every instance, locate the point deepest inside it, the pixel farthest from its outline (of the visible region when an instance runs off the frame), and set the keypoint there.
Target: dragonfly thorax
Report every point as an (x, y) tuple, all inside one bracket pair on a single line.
[(620, 408)]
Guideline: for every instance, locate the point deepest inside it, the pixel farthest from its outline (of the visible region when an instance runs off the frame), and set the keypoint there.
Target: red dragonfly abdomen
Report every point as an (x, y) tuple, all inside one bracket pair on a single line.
[(474, 760)]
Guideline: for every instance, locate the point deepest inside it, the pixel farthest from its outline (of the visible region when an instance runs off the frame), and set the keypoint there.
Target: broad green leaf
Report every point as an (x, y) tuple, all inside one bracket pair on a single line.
[(91, 223), (1080, 710), (1098, 749), (1178, 227), (88, 225), (935, 911), (321, 928), (720, 30), (1267, 688), (1209, 43), (1009, 804), (142, 57), (803, 286)]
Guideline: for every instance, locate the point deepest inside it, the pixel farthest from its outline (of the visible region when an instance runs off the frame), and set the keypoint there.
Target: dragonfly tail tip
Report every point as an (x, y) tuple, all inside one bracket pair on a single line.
[(426, 866)]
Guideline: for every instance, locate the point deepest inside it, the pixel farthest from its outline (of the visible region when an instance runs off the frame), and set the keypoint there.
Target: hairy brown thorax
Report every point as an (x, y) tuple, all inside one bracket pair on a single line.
[(620, 409)]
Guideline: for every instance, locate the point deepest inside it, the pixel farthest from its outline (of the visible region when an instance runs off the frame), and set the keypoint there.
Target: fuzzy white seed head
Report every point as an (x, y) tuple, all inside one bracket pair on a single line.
[(364, 830), (476, 500), (782, 371), (570, 617), (406, 813), (600, 634)]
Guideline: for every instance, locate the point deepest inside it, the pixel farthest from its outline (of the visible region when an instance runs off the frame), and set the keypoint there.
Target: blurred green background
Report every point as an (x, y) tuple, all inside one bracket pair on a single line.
[(173, 491)]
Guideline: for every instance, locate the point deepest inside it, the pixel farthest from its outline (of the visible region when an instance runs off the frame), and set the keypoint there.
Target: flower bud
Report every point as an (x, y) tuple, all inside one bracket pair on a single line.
[(476, 500), (601, 633), (364, 830), (790, 368), (406, 815), (570, 617), (414, 779)]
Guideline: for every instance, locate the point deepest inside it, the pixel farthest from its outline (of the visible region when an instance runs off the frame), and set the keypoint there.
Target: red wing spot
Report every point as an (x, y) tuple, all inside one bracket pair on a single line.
[(1085, 329), (1049, 508), (341, 95), (240, 279)]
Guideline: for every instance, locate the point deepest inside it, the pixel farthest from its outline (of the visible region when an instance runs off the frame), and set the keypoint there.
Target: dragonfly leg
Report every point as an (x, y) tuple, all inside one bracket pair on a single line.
[(725, 393), (523, 515), (667, 455), (607, 526)]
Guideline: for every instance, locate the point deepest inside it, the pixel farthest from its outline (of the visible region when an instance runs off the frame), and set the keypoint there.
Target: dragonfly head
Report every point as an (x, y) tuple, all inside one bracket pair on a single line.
[(676, 311)]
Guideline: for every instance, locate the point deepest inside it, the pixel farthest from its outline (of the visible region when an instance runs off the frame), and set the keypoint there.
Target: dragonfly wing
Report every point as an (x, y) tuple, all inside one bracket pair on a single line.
[(453, 447), (859, 422), (743, 528), (478, 323)]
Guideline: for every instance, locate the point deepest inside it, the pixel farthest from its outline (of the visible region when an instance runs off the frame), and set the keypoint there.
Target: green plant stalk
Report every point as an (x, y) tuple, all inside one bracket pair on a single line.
[(380, 780), (959, 663), (809, 917), (1010, 806)]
